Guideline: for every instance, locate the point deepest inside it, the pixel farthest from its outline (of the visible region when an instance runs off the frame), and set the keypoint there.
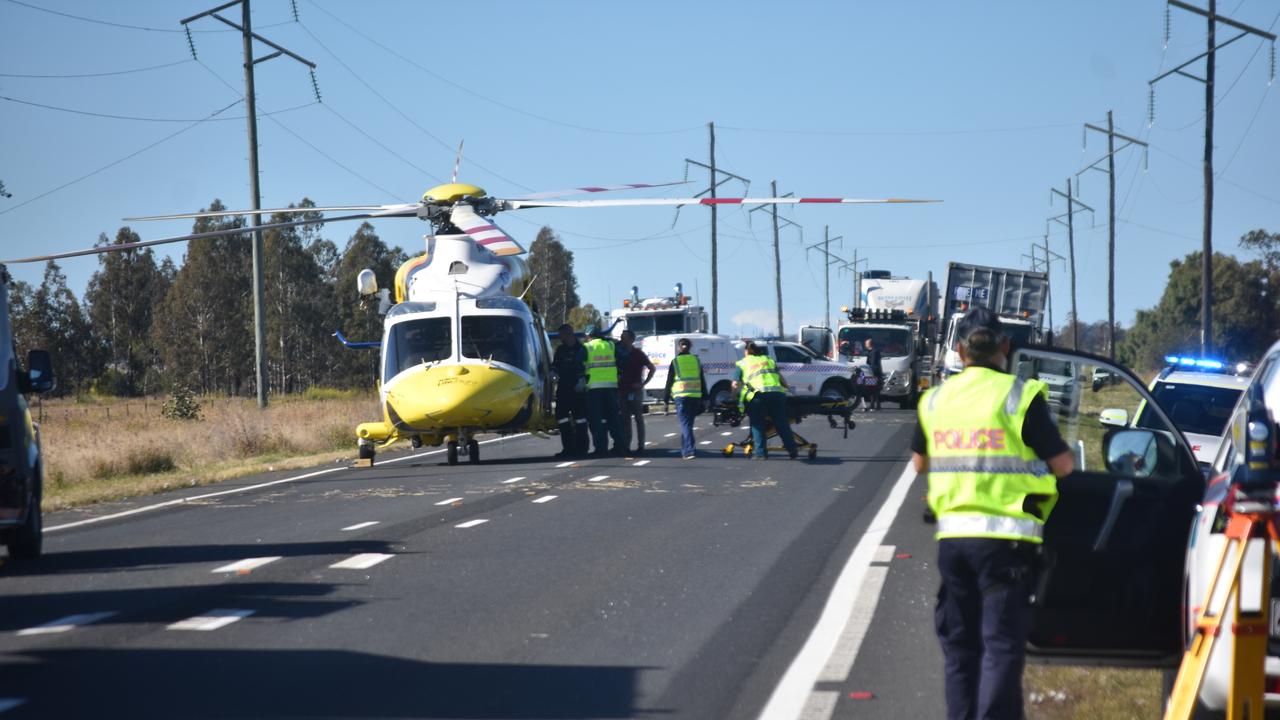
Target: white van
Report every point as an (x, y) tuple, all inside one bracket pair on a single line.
[(716, 353)]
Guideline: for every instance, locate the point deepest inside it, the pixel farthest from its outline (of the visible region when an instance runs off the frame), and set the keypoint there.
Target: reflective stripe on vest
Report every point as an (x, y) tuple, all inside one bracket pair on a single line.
[(688, 378), (984, 481), (956, 525), (602, 365)]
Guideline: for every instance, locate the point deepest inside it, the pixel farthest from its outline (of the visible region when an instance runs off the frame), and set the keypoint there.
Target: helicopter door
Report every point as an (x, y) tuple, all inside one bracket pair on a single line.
[(1111, 583)]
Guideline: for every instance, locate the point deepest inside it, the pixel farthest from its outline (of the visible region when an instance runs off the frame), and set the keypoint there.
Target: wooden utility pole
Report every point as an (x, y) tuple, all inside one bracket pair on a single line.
[(1111, 134), (772, 208), (251, 112), (1071, 254), (1212, 18)]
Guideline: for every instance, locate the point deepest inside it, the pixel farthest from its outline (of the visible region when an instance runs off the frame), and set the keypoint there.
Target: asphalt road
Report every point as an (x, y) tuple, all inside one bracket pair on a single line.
[(517, 588)]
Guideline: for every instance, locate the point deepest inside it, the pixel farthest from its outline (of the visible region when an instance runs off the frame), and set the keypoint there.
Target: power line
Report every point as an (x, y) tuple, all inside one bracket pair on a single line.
[(499, 103), (123, 26), (907, 133), (144, 119), (98, 74), (380, 144), (120, 160)]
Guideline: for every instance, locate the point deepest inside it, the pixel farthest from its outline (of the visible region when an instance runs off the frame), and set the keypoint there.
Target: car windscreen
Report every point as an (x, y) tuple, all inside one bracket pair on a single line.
[(1194, 408), (661, 324), (500, 338), (1049, 366), (415, 342), (893, 342)]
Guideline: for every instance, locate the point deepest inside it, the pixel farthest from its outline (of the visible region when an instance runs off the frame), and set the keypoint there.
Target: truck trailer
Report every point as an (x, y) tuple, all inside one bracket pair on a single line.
[(1017, 296)]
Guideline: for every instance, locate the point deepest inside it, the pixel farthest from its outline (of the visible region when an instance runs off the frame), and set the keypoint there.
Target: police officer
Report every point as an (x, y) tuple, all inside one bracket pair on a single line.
[(570, 366), (602, 394), (687, 385), (764, 393), (993, 454)]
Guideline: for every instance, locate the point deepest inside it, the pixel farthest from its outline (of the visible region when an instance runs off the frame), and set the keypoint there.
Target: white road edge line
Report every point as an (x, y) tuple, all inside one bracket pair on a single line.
[(247, 488), (512, 480), (471, 523), (246, 565), (788, 699), (65, 624), (11, 703), (363, 561), (545, 499), (360, 526), (448, 501), (212, 620)]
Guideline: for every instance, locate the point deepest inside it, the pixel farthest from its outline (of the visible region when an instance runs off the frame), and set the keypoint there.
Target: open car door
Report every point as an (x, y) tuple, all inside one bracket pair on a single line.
[(1111, 585), (818, 339)]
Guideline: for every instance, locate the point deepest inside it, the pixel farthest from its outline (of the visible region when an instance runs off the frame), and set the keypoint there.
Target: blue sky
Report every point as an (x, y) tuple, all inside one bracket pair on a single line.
[(980, 105)]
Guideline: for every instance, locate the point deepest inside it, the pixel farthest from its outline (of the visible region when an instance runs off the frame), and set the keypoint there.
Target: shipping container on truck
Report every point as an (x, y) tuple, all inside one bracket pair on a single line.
[(1017, 296)]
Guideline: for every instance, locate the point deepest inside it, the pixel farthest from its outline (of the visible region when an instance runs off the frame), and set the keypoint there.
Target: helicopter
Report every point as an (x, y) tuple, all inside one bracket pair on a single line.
[(462, 353)]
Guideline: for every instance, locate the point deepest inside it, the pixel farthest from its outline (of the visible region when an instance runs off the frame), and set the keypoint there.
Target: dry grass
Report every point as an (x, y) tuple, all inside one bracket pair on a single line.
[(1057, 693), (104, 449)]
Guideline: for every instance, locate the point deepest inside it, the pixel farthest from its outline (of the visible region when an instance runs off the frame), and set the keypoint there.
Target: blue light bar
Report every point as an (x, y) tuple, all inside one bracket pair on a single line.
[(1192, 362)]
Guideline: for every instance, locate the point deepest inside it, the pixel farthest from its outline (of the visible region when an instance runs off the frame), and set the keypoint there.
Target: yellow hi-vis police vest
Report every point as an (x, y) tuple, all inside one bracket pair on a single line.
[(759, 374), (602, 367), (983, 480), (688, 380)]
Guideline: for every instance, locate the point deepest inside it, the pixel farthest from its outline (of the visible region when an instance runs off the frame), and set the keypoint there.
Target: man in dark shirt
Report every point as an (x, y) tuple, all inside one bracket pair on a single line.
[(632, 365), (874, 358), (570, 367)]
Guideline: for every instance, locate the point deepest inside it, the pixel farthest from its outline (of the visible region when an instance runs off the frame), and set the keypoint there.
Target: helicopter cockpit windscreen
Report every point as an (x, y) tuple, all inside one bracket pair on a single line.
[(500, 338), (415, 342)]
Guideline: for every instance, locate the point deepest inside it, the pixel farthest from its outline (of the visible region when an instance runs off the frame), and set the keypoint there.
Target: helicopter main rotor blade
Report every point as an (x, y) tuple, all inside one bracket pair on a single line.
[(484, 232), (377, 210), (116, 247), (599, 188), (635, 202)]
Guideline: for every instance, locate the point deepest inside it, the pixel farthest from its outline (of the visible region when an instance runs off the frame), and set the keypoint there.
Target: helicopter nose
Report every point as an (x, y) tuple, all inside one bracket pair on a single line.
[(458, 396)]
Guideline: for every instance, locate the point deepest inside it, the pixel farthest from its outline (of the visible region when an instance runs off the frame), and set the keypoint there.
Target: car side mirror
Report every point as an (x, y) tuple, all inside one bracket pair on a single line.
[(39, 376), (1133, 453), (1114, 417)]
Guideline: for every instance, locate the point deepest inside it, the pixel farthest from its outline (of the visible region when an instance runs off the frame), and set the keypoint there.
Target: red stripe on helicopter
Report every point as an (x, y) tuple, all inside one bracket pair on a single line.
[(490, 241), (480, 228)]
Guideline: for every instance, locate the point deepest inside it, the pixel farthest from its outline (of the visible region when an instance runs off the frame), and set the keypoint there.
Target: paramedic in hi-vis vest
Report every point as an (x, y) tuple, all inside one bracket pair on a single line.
[(993, 455), (687, 384)]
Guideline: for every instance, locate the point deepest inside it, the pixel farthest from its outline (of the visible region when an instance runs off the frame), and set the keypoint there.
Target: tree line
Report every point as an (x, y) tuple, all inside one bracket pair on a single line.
[(147, 326)]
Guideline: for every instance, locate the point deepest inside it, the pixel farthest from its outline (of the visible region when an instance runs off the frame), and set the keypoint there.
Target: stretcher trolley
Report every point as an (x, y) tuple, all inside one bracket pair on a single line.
[(838, 413)]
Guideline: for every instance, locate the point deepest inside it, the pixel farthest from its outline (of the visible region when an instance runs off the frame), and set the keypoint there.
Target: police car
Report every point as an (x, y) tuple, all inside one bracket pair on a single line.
[(1206, 540), (1199, 395), (808, 374)]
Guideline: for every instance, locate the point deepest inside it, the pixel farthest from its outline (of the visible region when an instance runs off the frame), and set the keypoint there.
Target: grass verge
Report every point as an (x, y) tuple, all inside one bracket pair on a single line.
[(107, 449), (1056, 692)]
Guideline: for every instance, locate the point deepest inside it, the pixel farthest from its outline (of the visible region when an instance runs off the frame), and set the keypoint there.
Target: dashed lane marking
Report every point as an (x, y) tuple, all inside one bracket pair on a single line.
[(10, 703), (247, 488), (67, 623), (360, 526), (512, 480), (212, 620), (669, 435), (725, 434), (471, 523), (246, 565), (545, 499), (598, 478), (565, 464), (641, 463), (363, 561), (705, 442), (449, 501), (651, 442)]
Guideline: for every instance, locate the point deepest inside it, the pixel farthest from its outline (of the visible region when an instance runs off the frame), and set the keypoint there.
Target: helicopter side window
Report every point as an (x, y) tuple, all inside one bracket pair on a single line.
[(500, 338), (415, 342)]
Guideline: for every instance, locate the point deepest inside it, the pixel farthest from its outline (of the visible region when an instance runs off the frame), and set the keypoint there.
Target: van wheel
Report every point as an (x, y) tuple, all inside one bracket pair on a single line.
[(26, 542), (835, 391)]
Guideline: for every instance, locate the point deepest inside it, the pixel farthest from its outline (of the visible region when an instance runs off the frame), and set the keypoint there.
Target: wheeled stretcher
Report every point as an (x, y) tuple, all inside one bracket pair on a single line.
[(838, 414)]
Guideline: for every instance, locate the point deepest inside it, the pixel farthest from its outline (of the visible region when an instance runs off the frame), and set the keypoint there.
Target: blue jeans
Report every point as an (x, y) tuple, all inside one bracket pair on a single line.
[(768, 407), (983, 619), (687, 411), (602, 414)]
